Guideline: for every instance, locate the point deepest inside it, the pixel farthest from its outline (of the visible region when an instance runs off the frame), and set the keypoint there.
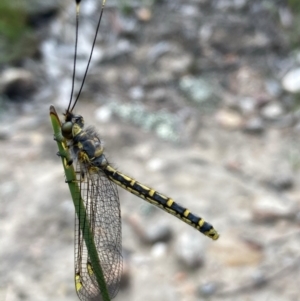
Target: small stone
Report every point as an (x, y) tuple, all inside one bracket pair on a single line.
[(254, 125), (159, 232), (4, 134), (199, 90), (159, 250), (286, 17), (18, 84), (205, 33), (127, 26), (247, 105), (190, 251), (103, 114), (144, 14), (158, 50), (189, 11), (270, 209), (247, 81), (259, 279), (155, 164), (207, 289), (291, 81), (272, 111), (281, 182), (258, 40), (229, 119), (179, 64), (157, 94), (136, 93)]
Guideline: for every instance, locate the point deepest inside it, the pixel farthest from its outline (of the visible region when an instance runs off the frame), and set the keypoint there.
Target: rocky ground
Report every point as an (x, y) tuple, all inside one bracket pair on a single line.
[(198, 99)]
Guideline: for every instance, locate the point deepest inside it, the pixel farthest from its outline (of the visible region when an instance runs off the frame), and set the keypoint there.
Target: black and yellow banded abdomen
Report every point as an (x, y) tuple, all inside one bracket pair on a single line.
[(161, 201)]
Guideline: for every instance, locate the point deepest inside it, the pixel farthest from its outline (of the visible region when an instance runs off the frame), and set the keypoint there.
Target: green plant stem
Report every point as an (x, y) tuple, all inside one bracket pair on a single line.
[(78, 203)]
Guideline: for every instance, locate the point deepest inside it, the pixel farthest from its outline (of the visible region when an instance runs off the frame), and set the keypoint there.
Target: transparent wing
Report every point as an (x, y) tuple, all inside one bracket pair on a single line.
[(102, 210)]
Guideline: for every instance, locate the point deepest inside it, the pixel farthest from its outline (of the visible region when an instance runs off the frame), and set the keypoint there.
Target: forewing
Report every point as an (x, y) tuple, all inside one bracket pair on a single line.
[(102, 210)]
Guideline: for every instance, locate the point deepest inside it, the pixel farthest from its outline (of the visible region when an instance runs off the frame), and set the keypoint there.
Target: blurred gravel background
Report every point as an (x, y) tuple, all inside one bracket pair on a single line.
[(199, 99)]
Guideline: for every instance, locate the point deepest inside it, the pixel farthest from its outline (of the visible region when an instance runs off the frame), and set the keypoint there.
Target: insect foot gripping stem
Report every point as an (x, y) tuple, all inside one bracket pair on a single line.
[(65, 155)]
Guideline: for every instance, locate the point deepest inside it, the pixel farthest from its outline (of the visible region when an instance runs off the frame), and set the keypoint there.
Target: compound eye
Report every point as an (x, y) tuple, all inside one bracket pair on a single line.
[(66, 129)]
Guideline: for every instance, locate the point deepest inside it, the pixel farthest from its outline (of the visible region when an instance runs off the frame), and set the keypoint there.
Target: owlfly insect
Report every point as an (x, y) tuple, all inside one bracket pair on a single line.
[(93, 185)]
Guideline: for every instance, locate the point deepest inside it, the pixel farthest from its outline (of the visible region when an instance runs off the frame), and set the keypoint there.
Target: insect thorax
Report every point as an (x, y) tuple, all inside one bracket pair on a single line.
[(85, 144)]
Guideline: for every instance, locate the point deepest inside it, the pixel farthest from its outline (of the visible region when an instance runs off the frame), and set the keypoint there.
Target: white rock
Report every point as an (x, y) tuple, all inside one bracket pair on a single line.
[(136, 93), (291, 81), (272, 111), (159, 250), (103, 114)]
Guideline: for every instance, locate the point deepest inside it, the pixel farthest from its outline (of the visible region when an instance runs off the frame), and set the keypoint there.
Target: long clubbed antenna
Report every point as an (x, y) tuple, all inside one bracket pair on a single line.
[(91, 54), (75, 52)]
